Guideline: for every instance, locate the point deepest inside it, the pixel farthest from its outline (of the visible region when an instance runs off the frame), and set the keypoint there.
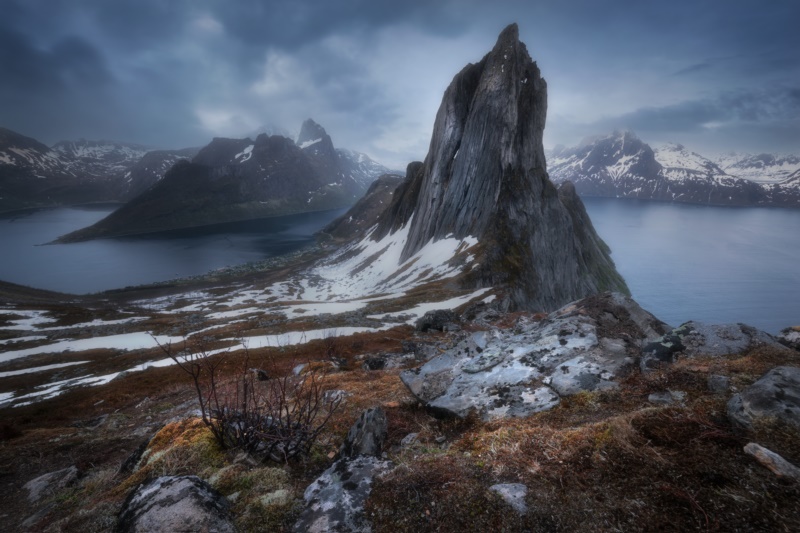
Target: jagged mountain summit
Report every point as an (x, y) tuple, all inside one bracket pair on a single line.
[(621, 165), (243, 179), (484, 184)]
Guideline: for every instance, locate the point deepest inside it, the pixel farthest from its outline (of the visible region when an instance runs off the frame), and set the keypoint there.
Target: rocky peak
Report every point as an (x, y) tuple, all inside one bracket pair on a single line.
[(485, 177), (314, 139)]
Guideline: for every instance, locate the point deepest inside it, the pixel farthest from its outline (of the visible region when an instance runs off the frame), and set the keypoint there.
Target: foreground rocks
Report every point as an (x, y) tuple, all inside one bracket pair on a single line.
[(335, 500), (584, 346), (175, 503), (696, 338), (776, 396)]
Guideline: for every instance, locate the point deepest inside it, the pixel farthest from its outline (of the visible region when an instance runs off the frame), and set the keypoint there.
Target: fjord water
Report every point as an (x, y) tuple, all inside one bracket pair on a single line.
[(104, 264), (681, 262), (711, 264)]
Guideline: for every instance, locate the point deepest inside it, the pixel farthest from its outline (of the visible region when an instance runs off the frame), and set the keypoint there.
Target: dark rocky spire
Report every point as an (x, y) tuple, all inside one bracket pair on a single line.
[(485, 176)]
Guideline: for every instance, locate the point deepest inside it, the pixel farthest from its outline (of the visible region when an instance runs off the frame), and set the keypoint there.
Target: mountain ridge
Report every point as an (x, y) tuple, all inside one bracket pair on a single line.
[(622, 165), (241, 179)]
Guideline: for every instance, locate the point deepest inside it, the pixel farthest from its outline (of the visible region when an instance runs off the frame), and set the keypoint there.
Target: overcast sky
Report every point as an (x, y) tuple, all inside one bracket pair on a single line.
[(715, 75)]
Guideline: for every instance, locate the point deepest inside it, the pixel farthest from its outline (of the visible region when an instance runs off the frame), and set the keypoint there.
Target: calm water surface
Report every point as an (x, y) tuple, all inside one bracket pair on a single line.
[(681, 262), (712, 264), (114, 263)]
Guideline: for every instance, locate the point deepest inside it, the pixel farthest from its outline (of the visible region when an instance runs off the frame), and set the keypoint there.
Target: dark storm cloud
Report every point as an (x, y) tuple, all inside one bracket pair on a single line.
[(174, 73)]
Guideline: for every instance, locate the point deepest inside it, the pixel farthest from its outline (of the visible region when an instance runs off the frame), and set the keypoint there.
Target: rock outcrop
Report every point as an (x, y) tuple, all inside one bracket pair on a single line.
[(775, 396), (696, 338), (335, 500), (175, 503), (584, 346), (485, 177)]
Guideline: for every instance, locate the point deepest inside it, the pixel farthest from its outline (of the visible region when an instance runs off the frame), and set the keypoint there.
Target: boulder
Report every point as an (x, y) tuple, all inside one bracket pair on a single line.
[(175, 503), (775, 396), (696, 338), (335, 500), (367, 435), (790, 337), (583, 346), (50, 483), (438, 320)]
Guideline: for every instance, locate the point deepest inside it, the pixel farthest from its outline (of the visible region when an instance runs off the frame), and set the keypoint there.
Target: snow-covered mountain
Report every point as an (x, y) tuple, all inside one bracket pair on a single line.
[(762, 168), (622, 165), (100, 159), (35, 175)]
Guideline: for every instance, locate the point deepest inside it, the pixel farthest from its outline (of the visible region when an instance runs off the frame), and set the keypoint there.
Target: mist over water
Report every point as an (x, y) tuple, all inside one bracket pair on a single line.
[(681, 262), (711, 264)]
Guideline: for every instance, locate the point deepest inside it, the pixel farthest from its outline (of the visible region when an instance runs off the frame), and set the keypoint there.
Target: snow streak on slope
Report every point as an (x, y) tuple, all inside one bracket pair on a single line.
[(374, 267)]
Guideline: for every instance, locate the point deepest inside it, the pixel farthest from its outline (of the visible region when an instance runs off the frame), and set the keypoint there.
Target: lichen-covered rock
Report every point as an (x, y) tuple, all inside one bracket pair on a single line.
[(367, 435), (583, 346), (175, 503), (696, 338), (335, 500), (775, 396)]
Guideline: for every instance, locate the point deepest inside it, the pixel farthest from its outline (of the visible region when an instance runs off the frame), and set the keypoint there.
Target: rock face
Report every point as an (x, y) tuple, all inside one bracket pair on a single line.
[(182, 503), (367, 435), (776, 395), (335, 500), (584, 346), (485, 177), (241, 179), (621, 165), (696, 338)]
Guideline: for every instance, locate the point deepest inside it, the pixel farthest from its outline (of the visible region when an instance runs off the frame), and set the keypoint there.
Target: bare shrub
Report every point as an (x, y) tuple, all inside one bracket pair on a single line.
[(275, 418)]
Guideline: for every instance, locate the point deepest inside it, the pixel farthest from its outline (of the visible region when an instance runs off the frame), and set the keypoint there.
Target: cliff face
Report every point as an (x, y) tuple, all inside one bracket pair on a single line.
[(485, 177)]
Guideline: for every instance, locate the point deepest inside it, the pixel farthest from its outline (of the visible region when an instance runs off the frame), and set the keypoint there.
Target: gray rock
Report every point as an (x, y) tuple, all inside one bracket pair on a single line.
[(719, 384), (437, 320), (513, 494), (175, 503), (790, 337), (583, 346), (698, 339), (367, 435), (335, 500), (775, 396), (409, 440), (50, 483)]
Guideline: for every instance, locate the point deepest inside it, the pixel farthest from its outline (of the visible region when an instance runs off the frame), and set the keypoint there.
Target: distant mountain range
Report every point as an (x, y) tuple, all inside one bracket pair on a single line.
[(242, 179), (33, 174), (621, 165)]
